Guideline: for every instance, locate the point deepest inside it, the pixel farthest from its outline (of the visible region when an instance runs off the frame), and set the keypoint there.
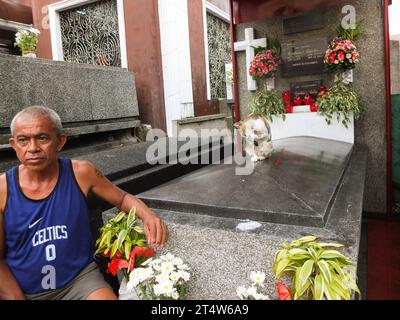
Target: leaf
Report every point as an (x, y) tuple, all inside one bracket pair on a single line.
[(119, 217), (114, 248), (336, 267), (128, 246), (307, 239), (339, 289), (332, 254), (138, 229), (318, 287), (313, 254), (336, 245), (131, 219), (281, 267), (326, 273), (121, 238), (305, 273)]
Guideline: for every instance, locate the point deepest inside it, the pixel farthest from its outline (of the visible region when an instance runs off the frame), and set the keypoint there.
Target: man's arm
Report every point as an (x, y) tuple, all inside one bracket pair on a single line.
[(90, 179), (9, 288)]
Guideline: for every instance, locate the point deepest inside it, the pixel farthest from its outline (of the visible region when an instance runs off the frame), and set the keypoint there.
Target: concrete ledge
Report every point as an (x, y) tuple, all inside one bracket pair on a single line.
[(201, 119)]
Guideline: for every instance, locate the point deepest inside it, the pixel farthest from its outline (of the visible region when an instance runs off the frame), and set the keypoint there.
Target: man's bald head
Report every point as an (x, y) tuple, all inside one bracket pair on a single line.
[(37, 112)]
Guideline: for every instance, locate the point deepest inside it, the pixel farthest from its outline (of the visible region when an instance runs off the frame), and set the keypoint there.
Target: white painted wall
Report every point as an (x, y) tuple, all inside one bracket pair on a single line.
[(311, 124), (175, 54)]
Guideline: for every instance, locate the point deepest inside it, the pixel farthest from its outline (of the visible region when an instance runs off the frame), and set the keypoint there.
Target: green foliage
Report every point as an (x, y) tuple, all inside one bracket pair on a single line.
[(318, 272), (267, 103), (275, 45), (351, 33), (121, 234), (27, 40), (341, 99), (272, 44)]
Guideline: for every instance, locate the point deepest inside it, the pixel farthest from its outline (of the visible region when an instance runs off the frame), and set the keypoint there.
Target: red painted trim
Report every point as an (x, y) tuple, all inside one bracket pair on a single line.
[(234, 69), (389, 190)]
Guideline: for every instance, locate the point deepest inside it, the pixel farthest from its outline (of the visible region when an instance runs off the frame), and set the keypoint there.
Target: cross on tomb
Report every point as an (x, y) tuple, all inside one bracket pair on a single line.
[(248, 45)]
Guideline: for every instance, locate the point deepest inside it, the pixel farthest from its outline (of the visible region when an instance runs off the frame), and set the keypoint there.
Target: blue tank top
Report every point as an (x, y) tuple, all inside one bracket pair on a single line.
[(48, 241)]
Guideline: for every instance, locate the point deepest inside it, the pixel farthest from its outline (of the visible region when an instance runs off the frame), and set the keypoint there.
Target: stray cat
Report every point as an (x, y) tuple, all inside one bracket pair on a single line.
[(257, 132)]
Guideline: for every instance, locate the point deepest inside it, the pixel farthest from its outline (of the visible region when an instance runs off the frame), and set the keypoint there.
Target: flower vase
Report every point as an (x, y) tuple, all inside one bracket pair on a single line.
[(270, 83), (124, 293), (28, 54), (348, 76), (266, 84)]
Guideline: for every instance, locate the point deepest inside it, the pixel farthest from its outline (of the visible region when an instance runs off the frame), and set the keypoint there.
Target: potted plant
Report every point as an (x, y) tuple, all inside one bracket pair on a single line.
[(27, 41), (267, 103), (123, 242), (317, 271), (340, 99)]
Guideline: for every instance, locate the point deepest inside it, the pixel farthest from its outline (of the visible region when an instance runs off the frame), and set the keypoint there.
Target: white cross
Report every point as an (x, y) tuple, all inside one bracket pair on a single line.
[(247, 45)]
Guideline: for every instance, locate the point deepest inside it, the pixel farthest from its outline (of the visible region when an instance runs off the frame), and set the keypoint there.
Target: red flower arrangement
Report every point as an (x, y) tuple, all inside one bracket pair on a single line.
[(119, 263), (122, 240), (264, 65), (341, 55)]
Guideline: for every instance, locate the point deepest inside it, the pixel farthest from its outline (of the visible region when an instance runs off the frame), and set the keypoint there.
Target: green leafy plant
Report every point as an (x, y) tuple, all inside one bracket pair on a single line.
[(341, 99), (27, 40), (123, 241), (317, 271), (351, 33), (267, 103)]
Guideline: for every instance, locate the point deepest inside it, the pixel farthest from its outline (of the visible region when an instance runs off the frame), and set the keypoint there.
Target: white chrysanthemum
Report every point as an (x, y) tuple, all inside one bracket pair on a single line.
[(167, 267), (175, 295), (162, 278), (183, 267), (156, 266), (167, 257), (184, 275), (258, 278), (138, 275), (175, 276), (155, 261), (260, 296), (177, 262), (241, 292), (165, 288), (252, 291)]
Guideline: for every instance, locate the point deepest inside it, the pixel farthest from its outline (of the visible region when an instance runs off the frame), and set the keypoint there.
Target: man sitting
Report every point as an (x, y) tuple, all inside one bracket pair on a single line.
[(46, 249)]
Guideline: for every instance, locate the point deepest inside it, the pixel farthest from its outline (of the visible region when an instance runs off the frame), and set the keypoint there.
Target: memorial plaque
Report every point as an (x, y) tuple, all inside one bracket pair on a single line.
[(306, 86), (303, 57), (306, 22)]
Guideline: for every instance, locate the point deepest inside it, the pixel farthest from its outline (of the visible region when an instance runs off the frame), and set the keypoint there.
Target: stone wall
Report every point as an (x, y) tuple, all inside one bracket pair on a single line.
[(369, 82), (395, 66), (81, 94)]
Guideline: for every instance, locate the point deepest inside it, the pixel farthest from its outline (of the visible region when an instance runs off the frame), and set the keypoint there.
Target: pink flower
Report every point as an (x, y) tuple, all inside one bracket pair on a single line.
[(341, 56)]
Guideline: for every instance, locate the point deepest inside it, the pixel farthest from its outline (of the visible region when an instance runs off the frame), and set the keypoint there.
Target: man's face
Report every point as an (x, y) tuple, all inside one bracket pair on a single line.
[(36, 142)]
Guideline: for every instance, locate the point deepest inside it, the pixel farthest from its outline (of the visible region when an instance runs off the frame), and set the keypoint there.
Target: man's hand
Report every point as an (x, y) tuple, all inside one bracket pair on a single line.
[(155, 229)]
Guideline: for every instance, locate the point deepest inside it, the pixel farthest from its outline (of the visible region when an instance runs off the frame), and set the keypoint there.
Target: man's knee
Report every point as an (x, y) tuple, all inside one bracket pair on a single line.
[(102, 294)]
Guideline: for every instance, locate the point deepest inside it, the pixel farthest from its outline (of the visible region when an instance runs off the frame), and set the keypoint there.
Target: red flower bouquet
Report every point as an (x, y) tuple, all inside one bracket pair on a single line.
[(264, 65), (123, 241), (341, 55)]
